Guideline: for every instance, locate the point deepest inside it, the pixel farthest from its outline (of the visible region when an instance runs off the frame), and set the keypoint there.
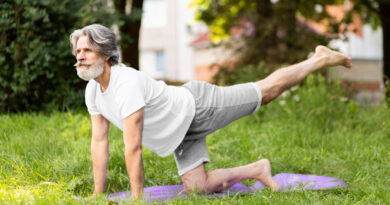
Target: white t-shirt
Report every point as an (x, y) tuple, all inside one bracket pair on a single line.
[(168, 110)]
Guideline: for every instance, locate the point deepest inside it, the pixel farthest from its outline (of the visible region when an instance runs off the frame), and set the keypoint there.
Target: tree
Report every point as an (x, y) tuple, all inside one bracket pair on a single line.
[(129, 28), (272, 19), (377, 13), (278, 36), (35, 55)]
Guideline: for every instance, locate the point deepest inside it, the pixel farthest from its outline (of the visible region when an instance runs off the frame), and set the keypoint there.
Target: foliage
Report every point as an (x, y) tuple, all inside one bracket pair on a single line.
[(35, 54), (310, 129), (368, 10), (274, 31)]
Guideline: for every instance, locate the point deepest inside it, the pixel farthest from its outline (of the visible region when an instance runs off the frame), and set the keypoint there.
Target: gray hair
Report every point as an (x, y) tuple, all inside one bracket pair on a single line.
[(101, 39)]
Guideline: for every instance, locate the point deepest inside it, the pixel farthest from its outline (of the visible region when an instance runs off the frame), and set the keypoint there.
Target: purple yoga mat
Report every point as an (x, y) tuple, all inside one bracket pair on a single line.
[(286, 181)]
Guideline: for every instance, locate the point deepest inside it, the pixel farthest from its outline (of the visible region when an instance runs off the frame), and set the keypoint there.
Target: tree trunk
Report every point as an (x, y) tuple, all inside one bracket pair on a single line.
[(288, 26), (129, 31), (264, 36), (384, 15)]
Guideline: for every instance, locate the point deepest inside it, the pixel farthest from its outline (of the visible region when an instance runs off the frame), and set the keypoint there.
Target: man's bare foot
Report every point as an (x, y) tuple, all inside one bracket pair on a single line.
[(332, 58), (264, 174)]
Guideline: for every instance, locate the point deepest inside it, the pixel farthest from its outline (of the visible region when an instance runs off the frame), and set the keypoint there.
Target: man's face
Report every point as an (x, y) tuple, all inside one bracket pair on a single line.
[(89, 63)]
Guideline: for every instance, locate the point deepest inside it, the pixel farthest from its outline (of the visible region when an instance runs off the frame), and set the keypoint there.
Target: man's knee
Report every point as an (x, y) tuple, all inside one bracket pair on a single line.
[(269, 91), (194, 185), (195, 180)]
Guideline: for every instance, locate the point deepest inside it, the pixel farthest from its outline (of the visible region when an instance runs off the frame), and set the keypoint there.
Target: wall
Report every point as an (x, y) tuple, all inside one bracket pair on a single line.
[(164, 30)]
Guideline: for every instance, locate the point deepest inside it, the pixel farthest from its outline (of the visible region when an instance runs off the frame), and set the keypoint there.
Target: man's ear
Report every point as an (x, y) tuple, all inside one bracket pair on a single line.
[(106, 59)]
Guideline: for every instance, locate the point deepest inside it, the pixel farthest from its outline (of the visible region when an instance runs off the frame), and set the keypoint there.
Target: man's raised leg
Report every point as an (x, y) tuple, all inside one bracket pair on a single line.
[(271, 87), (219, 180), (280, 80)]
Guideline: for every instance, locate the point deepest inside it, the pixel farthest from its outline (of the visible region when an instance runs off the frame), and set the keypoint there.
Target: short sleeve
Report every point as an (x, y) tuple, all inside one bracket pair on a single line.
[(131, 97), (90, 98)]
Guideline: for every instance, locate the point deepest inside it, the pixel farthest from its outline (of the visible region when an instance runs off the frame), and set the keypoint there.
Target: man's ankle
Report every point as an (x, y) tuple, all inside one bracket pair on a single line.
[(319, 62)]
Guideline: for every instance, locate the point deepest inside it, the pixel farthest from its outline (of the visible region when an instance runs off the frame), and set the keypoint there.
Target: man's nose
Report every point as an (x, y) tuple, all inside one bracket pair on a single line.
[(80, 56)]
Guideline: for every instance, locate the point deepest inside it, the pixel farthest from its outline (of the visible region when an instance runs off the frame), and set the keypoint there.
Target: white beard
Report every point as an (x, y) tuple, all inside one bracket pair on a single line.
[(93, 72)]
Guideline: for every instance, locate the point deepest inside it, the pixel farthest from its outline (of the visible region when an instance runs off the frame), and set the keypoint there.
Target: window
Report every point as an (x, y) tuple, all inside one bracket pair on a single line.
[(160, 62)]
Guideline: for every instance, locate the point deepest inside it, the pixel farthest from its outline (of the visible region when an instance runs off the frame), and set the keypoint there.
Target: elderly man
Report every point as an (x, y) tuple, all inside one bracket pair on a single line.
[(170, 119)]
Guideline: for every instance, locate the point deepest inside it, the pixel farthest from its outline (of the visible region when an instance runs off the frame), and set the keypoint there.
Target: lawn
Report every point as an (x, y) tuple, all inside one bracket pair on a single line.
[(311, 129)]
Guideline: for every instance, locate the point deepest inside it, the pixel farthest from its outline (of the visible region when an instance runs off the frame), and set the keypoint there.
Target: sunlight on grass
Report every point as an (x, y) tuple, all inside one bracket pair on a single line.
[(33, 194)]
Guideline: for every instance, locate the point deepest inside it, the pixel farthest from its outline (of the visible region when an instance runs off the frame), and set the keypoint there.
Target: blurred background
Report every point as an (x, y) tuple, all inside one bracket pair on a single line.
[(219, 41)]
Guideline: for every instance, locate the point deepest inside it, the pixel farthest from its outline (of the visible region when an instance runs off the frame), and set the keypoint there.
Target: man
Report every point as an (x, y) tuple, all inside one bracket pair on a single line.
[(169, 119)]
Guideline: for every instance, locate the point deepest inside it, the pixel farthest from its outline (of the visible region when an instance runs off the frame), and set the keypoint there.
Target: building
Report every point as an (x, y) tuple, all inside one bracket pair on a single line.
[(165, 37)]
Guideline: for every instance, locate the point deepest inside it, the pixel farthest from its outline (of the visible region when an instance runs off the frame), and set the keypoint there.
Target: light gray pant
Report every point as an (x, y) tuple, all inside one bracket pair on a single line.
[(216, 107)]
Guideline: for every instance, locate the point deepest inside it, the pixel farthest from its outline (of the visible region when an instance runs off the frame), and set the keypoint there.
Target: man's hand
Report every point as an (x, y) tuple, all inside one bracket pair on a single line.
[(132, 137), (99, 151)]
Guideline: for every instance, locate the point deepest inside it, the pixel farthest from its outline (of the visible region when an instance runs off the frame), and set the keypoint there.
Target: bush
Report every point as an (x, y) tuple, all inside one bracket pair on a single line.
[(35, 58)]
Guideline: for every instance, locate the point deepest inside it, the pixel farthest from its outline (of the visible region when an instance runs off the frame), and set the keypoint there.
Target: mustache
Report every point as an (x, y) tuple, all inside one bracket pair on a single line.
[(82, 63)]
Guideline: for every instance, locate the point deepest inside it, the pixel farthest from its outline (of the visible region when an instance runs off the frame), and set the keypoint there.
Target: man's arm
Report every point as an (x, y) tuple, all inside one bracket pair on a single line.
[(99, 151), (132, 137)]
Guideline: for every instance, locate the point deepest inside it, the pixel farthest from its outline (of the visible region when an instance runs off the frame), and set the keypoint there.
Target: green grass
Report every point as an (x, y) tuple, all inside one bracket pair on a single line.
[(45, 159)]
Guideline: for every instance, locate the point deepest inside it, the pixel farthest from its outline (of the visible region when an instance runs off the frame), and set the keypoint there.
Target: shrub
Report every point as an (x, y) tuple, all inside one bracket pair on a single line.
[(35, 58)]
